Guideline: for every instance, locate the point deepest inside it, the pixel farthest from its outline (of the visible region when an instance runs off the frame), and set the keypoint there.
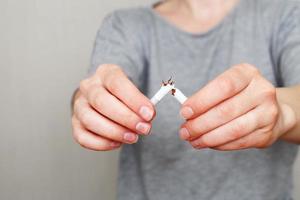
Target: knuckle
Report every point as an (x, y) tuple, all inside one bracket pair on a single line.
[(262, 145), (73, 121), (192, 127), (264, 142), (105, 68), (110, 71), (101, 146), (235, 134), (246, 67), (106, 72), (226, 85), (266, 129), (205, 142), (225, 110), (130, 119), (194, 144), (76, 130), (113, 83), (98, 100), (83, 85), (111, 67), (193, 102), (85, 118), (101, 69), (268, 93), (242, 144), (77, 105), (237, 130), (239, 127), (273, 112), (270, 115), (79, 137), (238, 68)]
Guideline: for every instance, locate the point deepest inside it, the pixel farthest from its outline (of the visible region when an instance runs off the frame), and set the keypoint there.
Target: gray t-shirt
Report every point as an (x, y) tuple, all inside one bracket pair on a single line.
[(264, 33)]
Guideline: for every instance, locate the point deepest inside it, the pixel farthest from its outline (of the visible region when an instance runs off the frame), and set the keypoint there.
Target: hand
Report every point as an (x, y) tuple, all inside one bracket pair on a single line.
[(237, 110), (109, 110)]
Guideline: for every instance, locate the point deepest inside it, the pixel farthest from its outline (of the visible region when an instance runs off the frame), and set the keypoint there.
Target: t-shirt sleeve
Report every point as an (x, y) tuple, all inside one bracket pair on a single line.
[(117, 43), (288, 47)]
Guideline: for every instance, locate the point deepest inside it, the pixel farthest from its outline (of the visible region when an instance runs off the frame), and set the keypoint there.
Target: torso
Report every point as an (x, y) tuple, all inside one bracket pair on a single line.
[(161, 166)]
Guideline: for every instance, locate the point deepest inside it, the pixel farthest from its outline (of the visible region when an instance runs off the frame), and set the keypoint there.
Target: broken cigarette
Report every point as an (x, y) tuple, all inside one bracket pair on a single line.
[(165, 89), (179, 95)]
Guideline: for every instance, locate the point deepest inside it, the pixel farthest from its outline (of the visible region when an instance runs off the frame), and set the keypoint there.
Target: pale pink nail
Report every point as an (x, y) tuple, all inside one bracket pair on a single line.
[(143, 128), (146, 113), (130, 137), (184, 134)]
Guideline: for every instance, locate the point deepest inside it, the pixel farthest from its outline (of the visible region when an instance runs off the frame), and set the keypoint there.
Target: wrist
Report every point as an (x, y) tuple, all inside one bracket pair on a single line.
[(287, 118)]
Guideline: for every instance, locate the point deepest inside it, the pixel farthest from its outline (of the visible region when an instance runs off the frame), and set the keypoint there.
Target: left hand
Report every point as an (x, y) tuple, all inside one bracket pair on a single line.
[(237, 110)]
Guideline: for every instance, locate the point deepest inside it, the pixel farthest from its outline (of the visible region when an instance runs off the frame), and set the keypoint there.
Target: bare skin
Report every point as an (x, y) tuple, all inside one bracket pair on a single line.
[(109, 110), (244, 111), (195, 16)]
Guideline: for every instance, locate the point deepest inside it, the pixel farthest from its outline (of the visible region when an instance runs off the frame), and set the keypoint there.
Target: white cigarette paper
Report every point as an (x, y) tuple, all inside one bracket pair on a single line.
[(164, 90), (167, 87), (179, 96)]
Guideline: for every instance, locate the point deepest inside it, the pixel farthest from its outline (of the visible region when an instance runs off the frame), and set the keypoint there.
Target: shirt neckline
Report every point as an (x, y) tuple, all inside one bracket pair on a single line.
[(169, 24)]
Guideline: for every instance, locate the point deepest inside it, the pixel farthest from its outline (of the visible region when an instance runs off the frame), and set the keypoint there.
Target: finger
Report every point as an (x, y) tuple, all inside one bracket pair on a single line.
[(220, 114), (234, 130), (221, 88), (111, 107), (257, 139), (102, 126), (117, 83), (91, 141)]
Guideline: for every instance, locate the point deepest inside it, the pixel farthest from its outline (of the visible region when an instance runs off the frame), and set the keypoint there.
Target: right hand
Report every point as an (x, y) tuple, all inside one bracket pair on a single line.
[(109, 110)]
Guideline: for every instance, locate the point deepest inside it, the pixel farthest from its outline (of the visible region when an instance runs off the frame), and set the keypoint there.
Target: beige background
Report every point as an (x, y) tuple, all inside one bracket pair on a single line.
[(45, 47)]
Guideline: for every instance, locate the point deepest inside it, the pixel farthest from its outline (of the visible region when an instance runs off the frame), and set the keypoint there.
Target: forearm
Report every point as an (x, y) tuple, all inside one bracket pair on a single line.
[(290, 96)]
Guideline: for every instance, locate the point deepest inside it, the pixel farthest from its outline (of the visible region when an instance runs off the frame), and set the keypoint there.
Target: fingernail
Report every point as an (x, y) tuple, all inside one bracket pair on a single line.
[(186, 112), (115, 144), (184, 134), (146, 113), (143, 128), (130, 137)]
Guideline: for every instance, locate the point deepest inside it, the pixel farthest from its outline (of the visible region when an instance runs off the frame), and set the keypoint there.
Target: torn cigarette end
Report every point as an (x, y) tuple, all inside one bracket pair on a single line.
[(166, 87), (179, 95), (163, 91)]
